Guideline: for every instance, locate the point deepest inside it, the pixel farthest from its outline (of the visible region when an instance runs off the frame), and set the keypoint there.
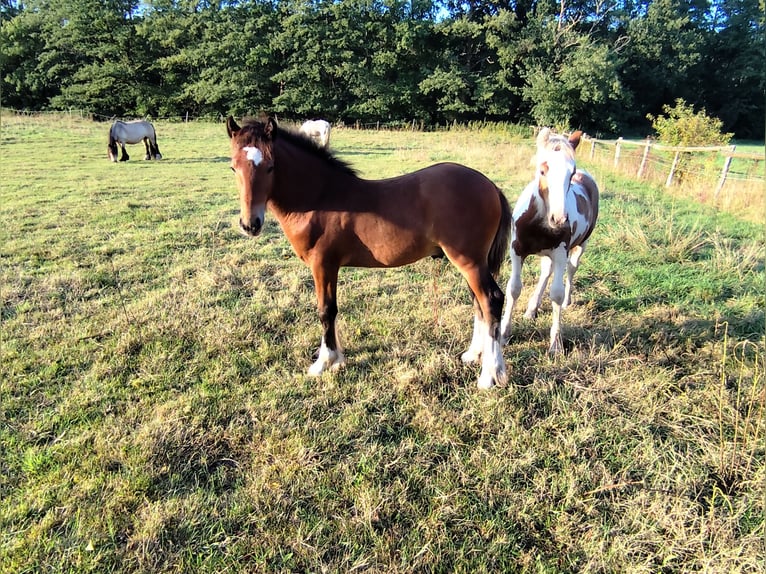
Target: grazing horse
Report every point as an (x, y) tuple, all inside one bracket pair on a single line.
[(318, 130), (132, 133), (553, 218), (335, 219)]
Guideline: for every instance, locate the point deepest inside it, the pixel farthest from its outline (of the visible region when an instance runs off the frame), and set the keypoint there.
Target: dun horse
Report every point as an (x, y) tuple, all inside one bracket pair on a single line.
[(131, 133), (335, 219), (553, 218)]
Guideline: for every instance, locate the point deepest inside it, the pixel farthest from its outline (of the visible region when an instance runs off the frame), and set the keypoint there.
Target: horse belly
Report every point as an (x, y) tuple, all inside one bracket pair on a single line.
[(387, 245)]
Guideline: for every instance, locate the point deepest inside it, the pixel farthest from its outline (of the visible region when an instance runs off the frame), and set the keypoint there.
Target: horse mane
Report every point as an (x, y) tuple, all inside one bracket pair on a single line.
[(547, 140), (561, 143), (253, 129)]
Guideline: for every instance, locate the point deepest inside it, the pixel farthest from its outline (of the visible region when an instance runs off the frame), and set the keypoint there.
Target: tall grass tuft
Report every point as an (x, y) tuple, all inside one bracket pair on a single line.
[(741, 431)]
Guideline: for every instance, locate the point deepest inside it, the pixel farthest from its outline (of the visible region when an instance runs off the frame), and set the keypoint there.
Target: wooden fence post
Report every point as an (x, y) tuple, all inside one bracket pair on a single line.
[(669, 181), (644, 157), (592, 148), (724, 172), (617, 152)]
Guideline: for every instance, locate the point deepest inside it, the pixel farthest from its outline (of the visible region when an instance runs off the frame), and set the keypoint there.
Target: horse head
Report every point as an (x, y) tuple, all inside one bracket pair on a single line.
[(555, 168), (252, 161)]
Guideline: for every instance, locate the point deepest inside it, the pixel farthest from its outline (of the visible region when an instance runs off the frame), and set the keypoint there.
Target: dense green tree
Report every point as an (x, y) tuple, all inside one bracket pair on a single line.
[(557, 66), (381, 71), (351, 60), (572, 75), (508, 38), (664, 49), (467, 80), (74, 52), (209, 61), (98, 36), (732, 71), (24, 84), (581, 91), (595, 64), (307, 82)]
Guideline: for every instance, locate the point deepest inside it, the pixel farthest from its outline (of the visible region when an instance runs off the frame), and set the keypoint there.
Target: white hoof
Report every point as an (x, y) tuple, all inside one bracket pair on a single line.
[(486, 381), (339, 363), (470, 356), (328, 360)]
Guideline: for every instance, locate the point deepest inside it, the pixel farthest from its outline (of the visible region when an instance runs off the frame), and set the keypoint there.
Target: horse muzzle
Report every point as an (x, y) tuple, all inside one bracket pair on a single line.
[(251, 229), (558, 221)]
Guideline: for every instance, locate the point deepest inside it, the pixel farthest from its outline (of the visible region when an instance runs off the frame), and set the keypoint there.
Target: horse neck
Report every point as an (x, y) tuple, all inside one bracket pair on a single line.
[(304, 181)]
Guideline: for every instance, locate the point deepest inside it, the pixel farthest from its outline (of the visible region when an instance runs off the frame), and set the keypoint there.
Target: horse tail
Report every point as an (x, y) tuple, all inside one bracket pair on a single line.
[(499, 248)]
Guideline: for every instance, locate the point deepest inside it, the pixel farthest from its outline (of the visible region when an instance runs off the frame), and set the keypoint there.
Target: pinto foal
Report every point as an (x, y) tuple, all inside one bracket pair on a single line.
[(553, 218)]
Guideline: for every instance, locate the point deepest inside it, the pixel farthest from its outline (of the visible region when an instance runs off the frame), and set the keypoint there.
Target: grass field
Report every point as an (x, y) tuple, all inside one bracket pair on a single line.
[(156, 415)]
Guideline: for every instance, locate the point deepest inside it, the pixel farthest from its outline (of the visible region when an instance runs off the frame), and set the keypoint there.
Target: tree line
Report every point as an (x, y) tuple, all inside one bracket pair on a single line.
[(599, 65)]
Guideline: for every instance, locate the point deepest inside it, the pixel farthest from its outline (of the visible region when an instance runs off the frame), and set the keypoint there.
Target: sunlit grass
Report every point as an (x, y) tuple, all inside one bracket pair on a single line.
[(156, 415)]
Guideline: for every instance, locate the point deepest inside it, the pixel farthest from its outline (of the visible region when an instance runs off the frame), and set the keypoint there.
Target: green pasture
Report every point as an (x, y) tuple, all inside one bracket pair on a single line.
[(156, 415)]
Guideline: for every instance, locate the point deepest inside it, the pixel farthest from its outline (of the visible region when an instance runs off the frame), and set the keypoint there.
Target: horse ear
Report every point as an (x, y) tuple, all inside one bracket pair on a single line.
[(270, 129), (574, 139), (542, 137), (231, 127)]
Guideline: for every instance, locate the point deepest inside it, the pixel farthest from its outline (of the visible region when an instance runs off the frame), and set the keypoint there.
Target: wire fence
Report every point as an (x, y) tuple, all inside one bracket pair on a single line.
[(649, 160), (723, 169)]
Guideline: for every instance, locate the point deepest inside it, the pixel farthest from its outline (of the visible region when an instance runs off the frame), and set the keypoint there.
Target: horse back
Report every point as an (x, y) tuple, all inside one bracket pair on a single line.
[(445, 208)]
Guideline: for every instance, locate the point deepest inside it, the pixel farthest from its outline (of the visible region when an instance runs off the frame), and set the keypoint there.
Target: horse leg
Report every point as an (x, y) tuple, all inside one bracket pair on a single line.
[(477, 340), (148, 149), (559, 257), (572, 264), (125, 156), (513, 290), (330, 352), (156, 149), (490, 298), (537, 295)]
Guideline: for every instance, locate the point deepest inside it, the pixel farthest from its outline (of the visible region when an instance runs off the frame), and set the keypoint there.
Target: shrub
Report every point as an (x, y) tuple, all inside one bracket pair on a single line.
[(682, 126)]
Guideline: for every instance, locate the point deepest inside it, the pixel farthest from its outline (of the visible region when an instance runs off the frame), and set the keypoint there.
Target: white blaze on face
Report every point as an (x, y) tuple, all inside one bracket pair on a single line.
[(560, 170), (254, 155)]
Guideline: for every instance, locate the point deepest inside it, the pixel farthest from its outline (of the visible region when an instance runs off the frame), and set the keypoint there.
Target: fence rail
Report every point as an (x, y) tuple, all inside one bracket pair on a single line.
[(749, 168), (643, 159)]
